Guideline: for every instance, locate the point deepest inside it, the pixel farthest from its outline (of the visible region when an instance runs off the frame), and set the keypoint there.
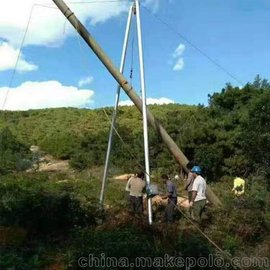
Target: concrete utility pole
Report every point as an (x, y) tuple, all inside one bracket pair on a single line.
[(173, 148)]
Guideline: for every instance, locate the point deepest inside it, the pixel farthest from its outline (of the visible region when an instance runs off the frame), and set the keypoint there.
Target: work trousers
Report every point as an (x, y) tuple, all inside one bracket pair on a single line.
[(169, 211), (136, 204), (198, 208)]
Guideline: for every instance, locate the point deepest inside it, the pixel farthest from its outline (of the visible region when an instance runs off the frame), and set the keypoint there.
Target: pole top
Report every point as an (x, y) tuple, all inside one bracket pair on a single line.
[(134, 11)]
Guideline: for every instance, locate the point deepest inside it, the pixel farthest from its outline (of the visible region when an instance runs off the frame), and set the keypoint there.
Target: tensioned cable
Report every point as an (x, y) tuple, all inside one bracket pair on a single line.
[(132, 59), (18, 58), (20, 51), (228, 256), (172, 29), (125, 144)]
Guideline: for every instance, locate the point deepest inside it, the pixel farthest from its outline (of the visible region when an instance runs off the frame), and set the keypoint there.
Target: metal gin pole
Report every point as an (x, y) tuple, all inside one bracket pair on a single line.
[(145, 127), (122, 65)]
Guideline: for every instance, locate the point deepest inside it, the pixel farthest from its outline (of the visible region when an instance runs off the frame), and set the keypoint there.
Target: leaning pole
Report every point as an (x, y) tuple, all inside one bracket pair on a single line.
[(122, 81)]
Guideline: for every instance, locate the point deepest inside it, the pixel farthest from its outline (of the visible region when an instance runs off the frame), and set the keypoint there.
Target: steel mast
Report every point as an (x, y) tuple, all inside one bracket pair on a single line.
[(122, 65), (144, 109)]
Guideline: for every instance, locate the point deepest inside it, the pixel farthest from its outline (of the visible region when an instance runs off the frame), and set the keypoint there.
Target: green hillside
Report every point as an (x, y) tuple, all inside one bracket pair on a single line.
[(223, 137)]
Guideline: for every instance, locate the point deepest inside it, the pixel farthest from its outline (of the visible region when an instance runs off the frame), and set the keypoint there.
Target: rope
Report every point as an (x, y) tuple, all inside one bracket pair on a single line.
[(226, 255), (125, 144), (18, 58), (193, 45)]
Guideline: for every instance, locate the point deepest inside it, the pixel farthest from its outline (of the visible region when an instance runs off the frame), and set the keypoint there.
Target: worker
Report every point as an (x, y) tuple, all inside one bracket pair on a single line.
[(238, 186), (198, 199), (171, 195), (189, 181), (135, 186)]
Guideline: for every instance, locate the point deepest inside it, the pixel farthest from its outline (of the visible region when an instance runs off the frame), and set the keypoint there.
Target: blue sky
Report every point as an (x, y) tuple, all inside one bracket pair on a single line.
[(57, 69)]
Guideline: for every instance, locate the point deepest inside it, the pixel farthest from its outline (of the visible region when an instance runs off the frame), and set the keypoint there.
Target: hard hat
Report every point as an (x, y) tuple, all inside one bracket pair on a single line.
[(176, 177), (196, 169)]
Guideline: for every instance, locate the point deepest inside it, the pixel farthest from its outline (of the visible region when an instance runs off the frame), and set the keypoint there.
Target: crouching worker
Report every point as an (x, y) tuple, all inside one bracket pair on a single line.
[(238, 186), (171, 195), (135, 186), (198, 200)]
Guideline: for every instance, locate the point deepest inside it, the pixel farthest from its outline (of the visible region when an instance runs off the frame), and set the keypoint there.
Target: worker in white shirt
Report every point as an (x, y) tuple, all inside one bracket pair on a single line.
[(198, 200)]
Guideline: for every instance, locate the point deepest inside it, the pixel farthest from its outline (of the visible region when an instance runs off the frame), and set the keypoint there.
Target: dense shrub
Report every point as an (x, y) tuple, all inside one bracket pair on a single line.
[(13, 154), (43, 208)]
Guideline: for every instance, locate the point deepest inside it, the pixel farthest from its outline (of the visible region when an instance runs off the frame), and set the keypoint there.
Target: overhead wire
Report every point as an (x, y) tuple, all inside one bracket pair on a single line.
[(20, 51), (18, 58), (172, 29), (25, 34)]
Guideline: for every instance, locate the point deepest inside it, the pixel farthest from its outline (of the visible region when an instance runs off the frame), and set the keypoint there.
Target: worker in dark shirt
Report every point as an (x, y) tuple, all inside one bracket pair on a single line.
[(171, 195)]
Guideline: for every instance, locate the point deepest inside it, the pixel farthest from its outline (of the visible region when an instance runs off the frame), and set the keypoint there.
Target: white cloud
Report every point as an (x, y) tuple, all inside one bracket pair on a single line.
[(179, 65), (85, 81), (158, 101), (49, 94), (47, 25), (177, 55), (9, 55), (179, 50)]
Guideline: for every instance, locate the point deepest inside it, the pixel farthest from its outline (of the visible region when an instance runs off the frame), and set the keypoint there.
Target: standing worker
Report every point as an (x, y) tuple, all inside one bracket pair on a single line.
[(171, 195), (136, 186), (198, 200)]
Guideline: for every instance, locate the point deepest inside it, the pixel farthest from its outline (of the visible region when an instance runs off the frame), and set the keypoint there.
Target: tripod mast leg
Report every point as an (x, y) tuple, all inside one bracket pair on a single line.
[(145, 127), (122, 65)]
